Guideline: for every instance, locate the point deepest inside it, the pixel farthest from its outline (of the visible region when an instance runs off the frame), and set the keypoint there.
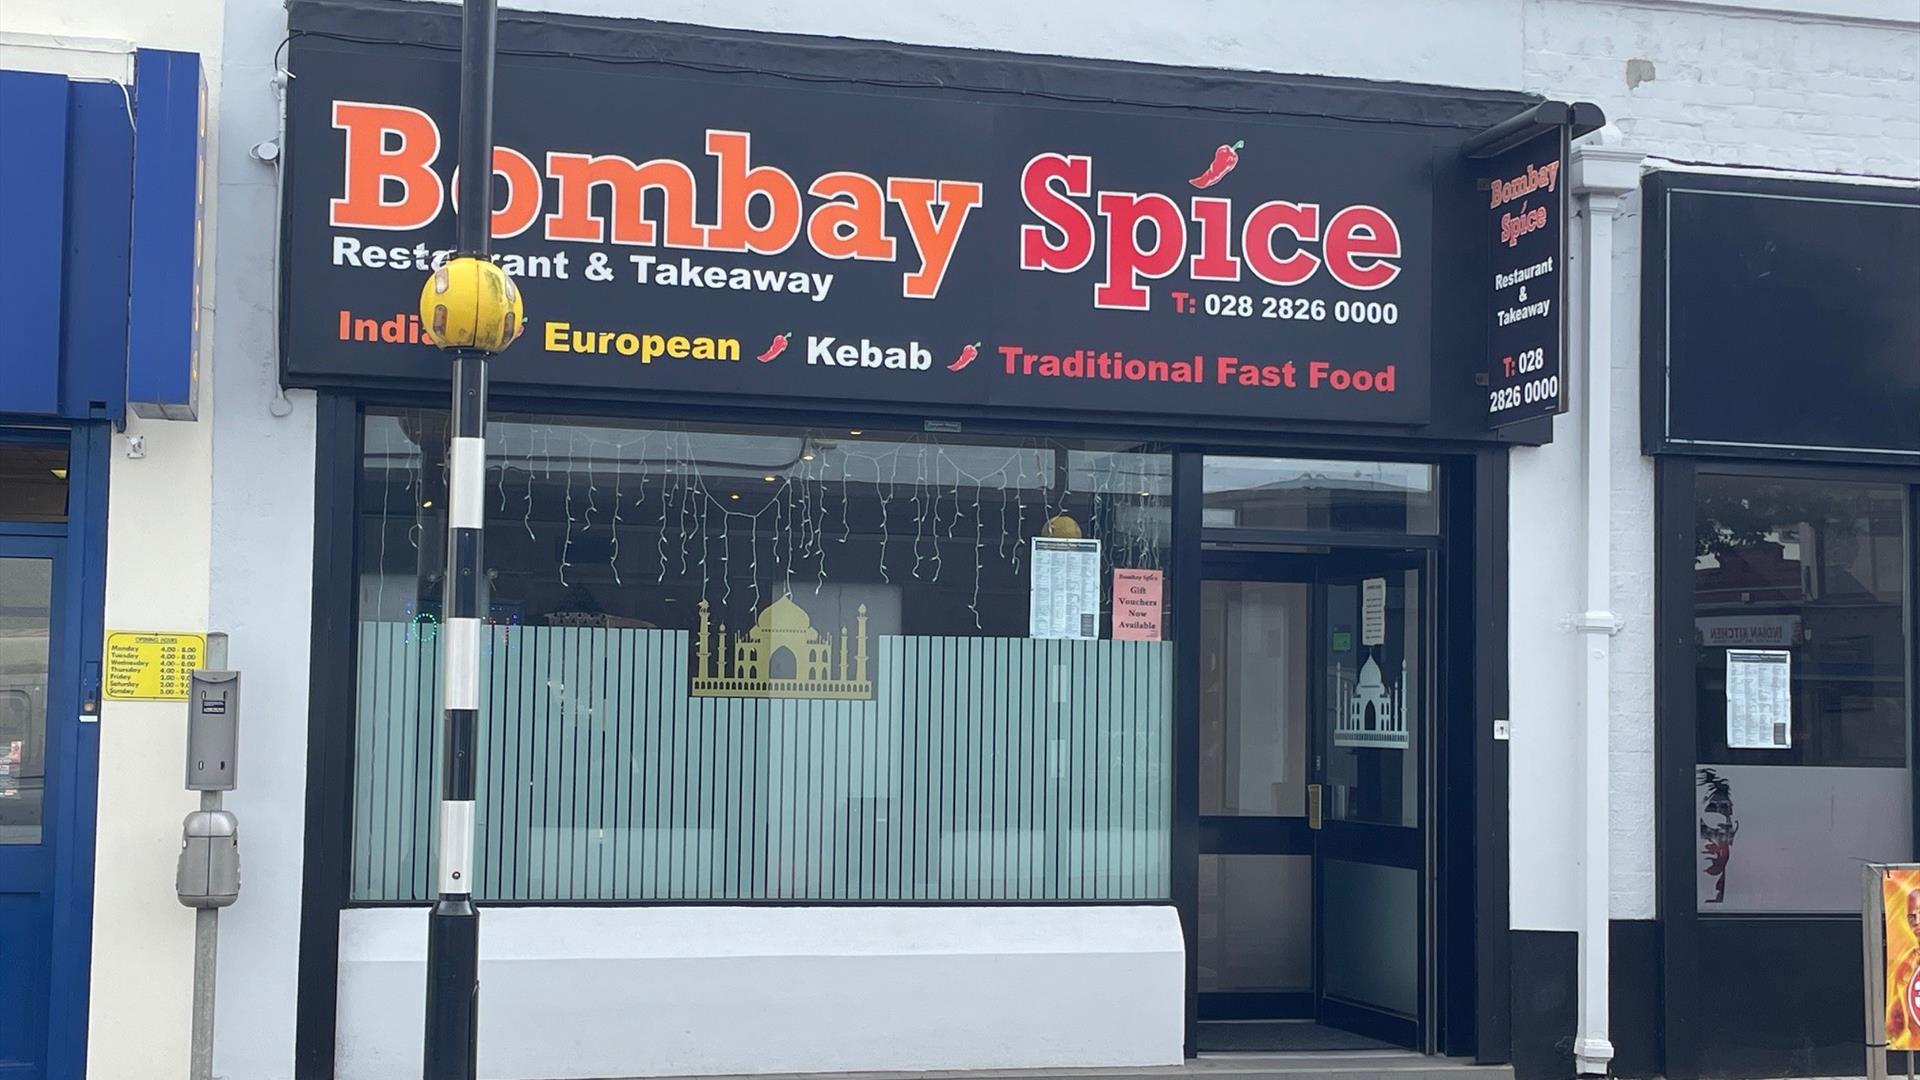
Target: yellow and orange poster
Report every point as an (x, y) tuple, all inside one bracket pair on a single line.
[(1900, 897)]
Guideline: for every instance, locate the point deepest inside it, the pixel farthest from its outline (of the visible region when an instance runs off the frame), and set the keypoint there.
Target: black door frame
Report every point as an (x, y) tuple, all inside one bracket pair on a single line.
[(1469, 1009), (1381, 845)]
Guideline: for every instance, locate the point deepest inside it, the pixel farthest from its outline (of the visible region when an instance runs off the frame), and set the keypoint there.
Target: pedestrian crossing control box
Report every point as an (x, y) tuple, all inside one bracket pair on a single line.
[(208, 875), (213, 730)]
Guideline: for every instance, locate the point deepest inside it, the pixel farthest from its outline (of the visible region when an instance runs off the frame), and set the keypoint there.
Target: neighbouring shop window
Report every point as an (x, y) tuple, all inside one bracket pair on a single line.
[(1800, 624), (775, 664), (33, 483)]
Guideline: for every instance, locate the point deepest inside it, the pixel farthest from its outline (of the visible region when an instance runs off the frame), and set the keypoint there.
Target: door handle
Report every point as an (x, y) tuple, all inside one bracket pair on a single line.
[(1313, 806)]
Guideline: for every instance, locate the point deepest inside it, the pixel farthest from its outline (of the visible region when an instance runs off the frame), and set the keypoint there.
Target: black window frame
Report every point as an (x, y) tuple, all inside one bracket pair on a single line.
[(1690, 1047)]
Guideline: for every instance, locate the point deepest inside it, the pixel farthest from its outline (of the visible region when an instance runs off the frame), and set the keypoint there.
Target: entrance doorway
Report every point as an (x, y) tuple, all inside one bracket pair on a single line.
[(1313, 721), (49, 609)]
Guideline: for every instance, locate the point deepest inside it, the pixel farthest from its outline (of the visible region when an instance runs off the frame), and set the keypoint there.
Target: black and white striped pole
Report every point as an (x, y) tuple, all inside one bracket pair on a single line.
[(472, 310)]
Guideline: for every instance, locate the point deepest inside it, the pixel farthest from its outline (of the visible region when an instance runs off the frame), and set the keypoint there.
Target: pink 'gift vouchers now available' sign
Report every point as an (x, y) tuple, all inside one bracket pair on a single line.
[(1137, 604)]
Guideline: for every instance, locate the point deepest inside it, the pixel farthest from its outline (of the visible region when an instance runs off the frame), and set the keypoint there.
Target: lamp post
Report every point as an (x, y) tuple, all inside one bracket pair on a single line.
[(472, 309)]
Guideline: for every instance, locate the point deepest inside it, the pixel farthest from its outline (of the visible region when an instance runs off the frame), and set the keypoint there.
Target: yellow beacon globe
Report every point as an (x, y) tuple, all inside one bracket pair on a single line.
[(470, 303)]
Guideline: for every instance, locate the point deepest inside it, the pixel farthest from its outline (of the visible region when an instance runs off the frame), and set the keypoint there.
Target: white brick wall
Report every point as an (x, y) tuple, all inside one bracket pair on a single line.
[(1738, 88), (1723, 87)]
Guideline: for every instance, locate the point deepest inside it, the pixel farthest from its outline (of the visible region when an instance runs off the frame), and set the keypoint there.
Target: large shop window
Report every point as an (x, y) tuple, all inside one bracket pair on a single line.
[(775, 665), (1800, 622)]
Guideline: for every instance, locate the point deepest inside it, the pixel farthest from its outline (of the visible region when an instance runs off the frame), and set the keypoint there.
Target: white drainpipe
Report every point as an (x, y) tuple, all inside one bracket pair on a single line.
[(1602, 174)]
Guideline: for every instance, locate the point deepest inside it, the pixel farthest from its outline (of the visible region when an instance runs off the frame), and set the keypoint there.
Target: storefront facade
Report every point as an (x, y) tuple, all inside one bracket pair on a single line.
[(994, 729), (1016, 527), (1785, 468), (99, 211)]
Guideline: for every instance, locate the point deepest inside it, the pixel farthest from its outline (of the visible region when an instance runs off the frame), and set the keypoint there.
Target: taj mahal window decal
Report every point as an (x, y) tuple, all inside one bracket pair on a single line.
[(781, 656), (1369, 712)]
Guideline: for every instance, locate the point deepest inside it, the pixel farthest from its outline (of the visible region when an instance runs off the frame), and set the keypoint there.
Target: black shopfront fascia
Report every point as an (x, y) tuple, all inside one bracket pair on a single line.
[(1471, 585), (1779, 340)]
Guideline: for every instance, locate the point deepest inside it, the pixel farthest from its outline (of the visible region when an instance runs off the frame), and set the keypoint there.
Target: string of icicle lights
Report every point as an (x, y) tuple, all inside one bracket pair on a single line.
[(926, 497)]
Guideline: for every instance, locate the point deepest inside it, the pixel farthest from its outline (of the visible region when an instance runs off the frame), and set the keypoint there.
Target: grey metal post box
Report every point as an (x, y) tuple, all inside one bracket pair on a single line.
[(209, 872), (213, 730)]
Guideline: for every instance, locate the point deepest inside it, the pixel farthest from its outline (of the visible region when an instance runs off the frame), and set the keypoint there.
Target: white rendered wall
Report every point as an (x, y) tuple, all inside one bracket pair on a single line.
[(157, 569), (262, 572), (596, 992)]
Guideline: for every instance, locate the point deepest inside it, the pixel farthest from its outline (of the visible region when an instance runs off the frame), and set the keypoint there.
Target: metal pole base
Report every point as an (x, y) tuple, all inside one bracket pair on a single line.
[(453, 991)]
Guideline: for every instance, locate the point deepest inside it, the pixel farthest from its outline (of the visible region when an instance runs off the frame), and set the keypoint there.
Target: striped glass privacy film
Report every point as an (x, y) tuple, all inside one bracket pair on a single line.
[(981, 769), (774, 664)]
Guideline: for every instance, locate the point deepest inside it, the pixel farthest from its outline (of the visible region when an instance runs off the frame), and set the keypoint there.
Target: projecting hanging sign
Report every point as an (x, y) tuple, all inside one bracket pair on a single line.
[(684, 233), (1526, 226)]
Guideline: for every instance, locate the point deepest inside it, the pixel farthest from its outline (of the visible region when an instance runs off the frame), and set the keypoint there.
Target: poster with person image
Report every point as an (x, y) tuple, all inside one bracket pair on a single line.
[(1900, 895)]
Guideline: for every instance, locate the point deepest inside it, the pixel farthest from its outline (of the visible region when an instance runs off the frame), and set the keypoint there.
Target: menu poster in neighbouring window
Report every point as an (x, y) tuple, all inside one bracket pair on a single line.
[(1373, 611), (1759, 699), (1065, 602), (1136, 604)]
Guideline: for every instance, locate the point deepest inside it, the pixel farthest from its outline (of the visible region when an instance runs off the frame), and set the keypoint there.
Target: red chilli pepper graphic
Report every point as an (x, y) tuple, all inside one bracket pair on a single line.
[(779, 346), (1224, 159), (967, 356)]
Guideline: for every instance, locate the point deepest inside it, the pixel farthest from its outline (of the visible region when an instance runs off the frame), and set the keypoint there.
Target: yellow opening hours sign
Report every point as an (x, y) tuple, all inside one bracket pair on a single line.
[(145, 665)]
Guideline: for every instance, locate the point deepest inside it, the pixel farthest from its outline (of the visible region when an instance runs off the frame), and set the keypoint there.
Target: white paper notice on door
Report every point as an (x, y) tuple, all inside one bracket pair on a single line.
[(1759, 699), (1065, 602), (1373, 611)]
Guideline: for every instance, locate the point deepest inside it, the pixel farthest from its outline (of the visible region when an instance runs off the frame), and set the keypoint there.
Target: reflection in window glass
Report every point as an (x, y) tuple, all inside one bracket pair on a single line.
[(1253, 697), (753, 665), (1295, 493), (26, 608), (1814, 571), (33, 483)]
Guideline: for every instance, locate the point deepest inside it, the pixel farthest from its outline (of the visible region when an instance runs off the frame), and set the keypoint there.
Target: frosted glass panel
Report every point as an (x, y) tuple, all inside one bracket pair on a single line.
[(1256, 922), (1371, 945), (979, 769), (1792, 837)]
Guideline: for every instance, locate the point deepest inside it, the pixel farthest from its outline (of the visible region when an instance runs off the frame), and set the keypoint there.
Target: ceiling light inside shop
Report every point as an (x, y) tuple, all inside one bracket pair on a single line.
[(808, 456), (59, 474), (735, 497), (855, 433), (771, 478), (426, 504)]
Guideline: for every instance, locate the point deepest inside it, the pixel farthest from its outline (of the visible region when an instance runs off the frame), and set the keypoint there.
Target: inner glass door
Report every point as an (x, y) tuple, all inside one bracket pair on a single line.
[(1368, 790)]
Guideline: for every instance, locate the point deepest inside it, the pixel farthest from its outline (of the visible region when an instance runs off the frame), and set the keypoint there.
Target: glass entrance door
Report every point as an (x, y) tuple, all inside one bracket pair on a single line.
[(1311, 717), (27, 743), (1256, 852), (1366, 796)]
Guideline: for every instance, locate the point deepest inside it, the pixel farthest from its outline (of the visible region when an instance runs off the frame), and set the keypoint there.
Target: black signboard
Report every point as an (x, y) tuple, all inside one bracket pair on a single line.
[(684, 233), (1526, 225), (1782, 318)]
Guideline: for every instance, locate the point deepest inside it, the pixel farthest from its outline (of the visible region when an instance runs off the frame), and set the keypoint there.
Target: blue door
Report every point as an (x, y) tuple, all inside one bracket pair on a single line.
[(48, 753)]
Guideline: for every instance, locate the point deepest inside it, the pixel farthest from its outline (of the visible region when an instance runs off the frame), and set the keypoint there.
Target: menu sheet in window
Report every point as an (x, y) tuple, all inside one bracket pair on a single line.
[(1065, 602), (1759, 699)]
